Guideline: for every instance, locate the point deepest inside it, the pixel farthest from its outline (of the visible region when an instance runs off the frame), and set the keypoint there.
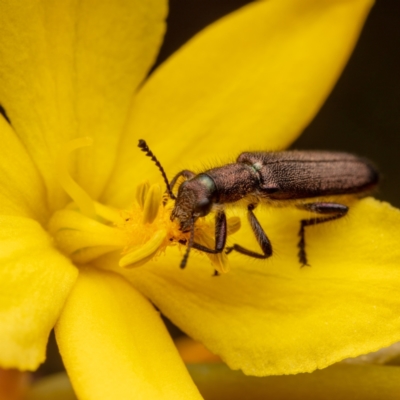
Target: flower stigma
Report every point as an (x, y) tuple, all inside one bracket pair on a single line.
[(86, 229)]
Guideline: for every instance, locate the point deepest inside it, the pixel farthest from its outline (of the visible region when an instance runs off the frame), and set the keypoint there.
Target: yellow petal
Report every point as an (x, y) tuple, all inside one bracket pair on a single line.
[(77, 194), (273, 317), (116, 346), (21, 189), (69, 70), (35, 280), (216, 381), (261, 74)]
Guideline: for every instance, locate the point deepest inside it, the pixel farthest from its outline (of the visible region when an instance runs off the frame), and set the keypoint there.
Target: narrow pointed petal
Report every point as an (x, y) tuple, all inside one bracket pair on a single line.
[(116, 346), (216, 381), (272, 317), (21, 188), (35, 280), (70, 69), (261, 73)]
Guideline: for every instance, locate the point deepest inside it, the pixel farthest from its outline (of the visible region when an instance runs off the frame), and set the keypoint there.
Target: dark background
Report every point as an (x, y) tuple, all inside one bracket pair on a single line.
[(362, 114)]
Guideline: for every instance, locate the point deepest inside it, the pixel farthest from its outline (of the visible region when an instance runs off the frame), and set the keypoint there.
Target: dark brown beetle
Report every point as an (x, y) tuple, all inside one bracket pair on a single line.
[(277, 178)]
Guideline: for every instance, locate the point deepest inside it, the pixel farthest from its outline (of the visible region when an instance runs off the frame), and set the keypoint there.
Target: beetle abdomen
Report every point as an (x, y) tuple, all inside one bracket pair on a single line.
[(301, 174)]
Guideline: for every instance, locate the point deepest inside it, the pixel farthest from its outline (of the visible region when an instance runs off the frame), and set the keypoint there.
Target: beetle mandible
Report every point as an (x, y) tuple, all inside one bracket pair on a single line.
[(284, 178)]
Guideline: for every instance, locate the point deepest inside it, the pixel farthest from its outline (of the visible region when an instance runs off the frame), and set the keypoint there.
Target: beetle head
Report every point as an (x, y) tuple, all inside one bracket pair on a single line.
[(195, 199)]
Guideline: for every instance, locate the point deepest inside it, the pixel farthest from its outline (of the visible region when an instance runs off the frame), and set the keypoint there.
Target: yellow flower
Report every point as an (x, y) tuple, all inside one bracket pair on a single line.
[(252, 81)]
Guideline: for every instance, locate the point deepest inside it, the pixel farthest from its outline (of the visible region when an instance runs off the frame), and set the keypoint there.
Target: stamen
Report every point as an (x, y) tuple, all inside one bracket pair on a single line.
[(141, 193), (77, 194), (234, 225), (152, 204), (145, 252), (82, 238)]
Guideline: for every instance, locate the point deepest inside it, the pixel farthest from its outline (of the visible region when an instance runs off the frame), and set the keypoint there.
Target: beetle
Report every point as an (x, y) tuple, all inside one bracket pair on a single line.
[(304, 179)]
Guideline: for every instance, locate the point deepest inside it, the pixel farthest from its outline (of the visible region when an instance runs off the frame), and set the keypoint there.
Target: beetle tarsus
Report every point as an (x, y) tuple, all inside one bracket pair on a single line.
[(335, 209)]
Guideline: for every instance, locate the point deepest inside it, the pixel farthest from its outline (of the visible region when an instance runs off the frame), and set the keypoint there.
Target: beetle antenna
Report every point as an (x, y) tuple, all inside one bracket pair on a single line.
[(190, 245), (143, 146)]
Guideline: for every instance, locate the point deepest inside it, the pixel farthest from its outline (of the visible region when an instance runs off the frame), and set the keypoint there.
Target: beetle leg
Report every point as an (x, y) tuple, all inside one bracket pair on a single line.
[(220, 236), (260, 235), (334, 209)]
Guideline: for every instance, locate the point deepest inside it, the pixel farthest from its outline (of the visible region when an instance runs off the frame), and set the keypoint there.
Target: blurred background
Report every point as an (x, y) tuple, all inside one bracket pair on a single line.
[(361, 116)]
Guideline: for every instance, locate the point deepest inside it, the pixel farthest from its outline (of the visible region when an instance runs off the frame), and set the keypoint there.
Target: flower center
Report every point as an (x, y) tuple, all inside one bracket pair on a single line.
[(86, 230)]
